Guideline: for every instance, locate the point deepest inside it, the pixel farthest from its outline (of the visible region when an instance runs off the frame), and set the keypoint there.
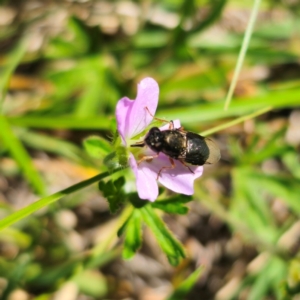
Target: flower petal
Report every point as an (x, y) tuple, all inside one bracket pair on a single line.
[(147, 96), (180, 179), (146, 183), (123, 109)]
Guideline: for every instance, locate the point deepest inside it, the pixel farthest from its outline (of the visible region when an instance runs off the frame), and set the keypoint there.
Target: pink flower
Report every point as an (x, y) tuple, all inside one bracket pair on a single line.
[(132, 120)]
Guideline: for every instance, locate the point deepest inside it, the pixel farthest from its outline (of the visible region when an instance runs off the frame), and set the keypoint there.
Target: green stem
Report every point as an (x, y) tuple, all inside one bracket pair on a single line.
[(26, 211), (243, 51), (236, 121)]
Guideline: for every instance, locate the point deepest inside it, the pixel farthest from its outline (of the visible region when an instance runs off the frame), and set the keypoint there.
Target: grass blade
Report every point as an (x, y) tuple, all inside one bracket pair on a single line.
[(61, 122), (13, 61), (243, 51), (31, 208), (21, 156)]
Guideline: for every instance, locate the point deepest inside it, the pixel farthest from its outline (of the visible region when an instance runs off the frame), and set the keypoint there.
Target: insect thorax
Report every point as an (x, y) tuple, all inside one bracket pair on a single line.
[(174, 143)]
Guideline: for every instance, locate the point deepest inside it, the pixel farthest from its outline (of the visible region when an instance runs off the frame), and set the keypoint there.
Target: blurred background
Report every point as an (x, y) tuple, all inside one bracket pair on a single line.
[(77, 60)]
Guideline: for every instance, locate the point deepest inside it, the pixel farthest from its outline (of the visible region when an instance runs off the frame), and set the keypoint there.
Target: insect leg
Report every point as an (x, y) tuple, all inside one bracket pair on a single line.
[(146, 158), (171, 123), (158, 119), (186, 166), (169, 167)]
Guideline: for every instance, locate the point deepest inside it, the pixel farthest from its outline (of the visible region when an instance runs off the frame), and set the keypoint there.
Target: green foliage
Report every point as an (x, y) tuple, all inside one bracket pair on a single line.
[(21, 156), (132, 230), (185, 287), (97, 146), (6, 72), (144, 213), (173, 205), (291, 286), (79, 44), (60, 85), (268, 279), (113, 192), (171, 246)]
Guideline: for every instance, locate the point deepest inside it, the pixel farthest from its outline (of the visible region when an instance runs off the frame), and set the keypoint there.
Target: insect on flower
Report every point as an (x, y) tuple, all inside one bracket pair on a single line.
[(132, 123), (176, 143)]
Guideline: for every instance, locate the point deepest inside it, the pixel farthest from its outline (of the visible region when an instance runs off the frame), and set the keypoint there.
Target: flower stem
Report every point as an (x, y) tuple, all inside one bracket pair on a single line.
[(26, 211)]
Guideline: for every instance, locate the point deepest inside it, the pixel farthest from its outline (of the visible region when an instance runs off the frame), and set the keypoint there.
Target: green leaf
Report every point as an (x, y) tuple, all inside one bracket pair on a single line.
[(97, 146), (184, 288), (168, 243), (119, 183), (132, 229), (174, 205), (113, 192), (136, 201)]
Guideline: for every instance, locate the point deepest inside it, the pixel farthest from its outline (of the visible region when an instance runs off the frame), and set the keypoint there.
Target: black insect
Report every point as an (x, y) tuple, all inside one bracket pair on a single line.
[(176, 143)]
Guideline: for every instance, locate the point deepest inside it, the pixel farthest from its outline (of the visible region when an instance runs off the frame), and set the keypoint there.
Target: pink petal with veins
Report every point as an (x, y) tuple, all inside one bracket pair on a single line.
[(123, 109), (147, 96), (180, 179), (146, 183)]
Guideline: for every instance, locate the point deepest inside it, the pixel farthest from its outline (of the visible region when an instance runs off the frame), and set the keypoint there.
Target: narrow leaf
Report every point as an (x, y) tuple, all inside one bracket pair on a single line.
[(133, 234), (168, 243)]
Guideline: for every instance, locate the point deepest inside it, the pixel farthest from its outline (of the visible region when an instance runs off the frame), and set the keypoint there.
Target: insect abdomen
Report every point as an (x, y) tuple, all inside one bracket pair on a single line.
[(197, 151)]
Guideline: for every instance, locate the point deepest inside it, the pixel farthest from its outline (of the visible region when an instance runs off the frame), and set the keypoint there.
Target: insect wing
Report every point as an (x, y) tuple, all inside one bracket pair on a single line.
[(214, 152)]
